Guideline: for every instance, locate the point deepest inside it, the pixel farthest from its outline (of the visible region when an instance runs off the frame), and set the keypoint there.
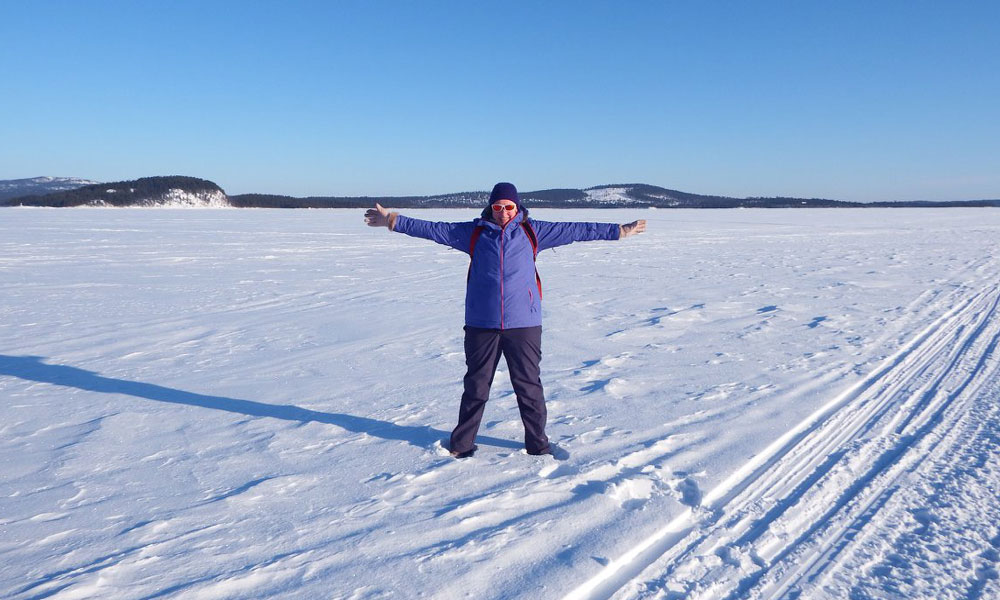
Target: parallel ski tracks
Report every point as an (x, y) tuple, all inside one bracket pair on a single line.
[(776, 523)]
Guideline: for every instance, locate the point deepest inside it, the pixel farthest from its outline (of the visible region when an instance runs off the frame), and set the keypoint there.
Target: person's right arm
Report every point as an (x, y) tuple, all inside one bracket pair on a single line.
[(453, 235)]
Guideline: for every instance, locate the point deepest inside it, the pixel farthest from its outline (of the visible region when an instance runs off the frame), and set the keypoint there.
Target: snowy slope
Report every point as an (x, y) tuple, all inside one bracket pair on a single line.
[(176, 198), (608, 195), (249, 404)]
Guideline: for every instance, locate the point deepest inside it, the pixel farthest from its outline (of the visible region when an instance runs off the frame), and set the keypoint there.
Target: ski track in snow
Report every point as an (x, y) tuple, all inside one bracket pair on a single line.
[(775, 528), (253, 404)]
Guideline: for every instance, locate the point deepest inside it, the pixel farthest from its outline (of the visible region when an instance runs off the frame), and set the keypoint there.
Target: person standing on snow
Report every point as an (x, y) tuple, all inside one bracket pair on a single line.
[(503, 312)]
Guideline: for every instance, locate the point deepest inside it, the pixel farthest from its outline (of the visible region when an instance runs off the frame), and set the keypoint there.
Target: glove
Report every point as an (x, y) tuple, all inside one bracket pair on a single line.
[(380, 217), (632, 228)]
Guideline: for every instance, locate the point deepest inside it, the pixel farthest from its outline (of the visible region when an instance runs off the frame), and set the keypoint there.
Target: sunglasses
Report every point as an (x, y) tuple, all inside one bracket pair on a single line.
[(500, 207)]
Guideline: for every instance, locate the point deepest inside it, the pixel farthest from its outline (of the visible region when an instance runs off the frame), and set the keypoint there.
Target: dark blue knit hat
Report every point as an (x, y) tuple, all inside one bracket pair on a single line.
[(505, 191)]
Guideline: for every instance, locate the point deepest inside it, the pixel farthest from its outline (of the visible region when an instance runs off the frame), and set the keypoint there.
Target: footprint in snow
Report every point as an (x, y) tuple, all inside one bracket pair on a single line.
[(687, 487), (815, 322)]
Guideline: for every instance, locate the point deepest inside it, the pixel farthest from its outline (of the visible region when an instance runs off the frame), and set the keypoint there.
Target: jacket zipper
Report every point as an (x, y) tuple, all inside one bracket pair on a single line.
[(501, 277)]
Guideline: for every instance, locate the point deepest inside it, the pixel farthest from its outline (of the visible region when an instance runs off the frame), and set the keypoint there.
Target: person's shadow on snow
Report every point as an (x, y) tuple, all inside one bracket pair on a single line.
[(31, 368)]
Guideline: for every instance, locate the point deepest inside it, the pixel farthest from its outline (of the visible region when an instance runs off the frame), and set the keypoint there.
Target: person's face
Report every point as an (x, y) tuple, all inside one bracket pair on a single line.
[(506, 212)]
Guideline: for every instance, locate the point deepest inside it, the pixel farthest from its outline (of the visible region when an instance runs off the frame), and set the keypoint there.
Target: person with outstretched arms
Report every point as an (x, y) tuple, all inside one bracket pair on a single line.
[(503, 302)]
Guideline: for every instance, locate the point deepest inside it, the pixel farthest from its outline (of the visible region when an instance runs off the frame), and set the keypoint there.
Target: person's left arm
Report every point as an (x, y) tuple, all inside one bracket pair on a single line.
[(552, 234)]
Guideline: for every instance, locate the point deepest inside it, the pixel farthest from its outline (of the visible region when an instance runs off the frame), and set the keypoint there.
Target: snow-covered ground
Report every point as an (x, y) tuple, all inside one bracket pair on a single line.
[(249, 404)]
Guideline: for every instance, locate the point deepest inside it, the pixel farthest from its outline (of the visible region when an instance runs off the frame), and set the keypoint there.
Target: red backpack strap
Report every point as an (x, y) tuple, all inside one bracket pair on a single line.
[(530, 232), (478, 231)]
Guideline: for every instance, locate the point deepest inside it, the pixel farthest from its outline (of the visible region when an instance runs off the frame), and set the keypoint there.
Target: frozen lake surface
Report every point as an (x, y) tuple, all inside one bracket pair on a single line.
[(252, 403)]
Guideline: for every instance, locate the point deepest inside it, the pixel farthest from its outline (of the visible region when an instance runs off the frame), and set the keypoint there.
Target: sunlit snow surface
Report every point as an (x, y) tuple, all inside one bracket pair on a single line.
[(248, 404)]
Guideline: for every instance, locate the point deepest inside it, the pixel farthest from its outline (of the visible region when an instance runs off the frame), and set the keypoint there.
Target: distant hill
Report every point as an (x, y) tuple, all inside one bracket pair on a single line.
[(177, 191), (173, 191), (13, 188)]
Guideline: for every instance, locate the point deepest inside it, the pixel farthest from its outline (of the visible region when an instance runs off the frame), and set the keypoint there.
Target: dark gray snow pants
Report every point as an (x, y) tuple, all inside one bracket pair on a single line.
[(522, 348)]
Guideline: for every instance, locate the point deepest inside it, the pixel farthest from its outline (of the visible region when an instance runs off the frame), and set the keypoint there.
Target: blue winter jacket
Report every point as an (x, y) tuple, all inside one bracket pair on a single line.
[(502, 292)]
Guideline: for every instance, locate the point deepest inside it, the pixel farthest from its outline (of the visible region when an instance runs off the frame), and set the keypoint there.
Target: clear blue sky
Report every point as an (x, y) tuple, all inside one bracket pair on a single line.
[(847, 100)]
